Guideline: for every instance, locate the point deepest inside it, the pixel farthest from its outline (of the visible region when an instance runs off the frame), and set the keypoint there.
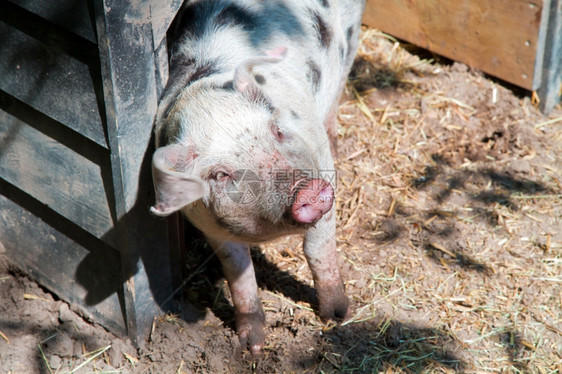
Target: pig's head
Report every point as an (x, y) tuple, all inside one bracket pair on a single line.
[(237, 164)]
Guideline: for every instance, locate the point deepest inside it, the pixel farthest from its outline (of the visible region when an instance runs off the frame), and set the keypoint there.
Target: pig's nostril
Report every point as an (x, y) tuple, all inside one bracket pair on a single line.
[(313, 199)]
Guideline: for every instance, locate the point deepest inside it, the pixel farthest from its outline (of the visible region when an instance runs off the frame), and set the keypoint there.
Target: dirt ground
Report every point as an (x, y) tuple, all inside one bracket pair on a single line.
[(449, 203)]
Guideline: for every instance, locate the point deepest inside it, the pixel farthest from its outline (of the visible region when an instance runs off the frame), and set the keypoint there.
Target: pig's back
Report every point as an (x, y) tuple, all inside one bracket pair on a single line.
[(320, 35)]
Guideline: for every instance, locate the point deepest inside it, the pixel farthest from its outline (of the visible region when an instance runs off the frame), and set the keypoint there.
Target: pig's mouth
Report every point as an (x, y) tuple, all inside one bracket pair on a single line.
[(312, 199), (308, 201)]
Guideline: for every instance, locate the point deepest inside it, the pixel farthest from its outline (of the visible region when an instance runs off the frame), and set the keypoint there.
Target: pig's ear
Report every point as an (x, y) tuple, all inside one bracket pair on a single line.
[(174, 189), (244, 80)]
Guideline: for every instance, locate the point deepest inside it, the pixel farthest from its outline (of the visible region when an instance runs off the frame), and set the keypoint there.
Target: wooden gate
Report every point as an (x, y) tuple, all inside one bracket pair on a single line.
[(79, 84)]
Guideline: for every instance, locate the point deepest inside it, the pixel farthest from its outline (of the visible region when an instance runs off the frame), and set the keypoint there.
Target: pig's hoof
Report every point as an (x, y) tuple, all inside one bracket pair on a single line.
[(333, 304), (250, 331), (336, 310)]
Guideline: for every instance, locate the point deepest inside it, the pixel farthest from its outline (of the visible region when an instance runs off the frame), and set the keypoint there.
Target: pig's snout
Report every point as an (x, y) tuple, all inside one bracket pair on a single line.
[(313, 199)]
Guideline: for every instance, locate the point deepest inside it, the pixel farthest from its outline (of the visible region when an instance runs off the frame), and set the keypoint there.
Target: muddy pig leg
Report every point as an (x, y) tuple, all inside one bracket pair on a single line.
[(320, 252), (248, 312)]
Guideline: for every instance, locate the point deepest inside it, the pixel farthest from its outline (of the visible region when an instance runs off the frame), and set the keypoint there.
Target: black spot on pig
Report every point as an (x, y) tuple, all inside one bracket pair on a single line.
[(183, 72), (295, 115), (325, 3), (324, 32), (228, 85), (234, 15), (314, 74), (163, 137), (194, 20), (181, 66), (184, 23), (259, 78), (349, 34), (203, 71), (269, 105), (277, 17)]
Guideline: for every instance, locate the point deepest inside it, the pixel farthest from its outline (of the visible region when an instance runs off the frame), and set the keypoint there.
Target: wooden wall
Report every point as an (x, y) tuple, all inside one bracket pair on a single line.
[(79, 87), (509, 39)]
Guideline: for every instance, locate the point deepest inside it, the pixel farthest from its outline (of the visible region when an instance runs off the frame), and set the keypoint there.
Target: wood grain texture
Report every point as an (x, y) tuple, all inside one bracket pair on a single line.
[(56, 175), (162, 14), (50, 81), (77, 268), (125, 38), (76, 112), (498, 37), (74, 16)]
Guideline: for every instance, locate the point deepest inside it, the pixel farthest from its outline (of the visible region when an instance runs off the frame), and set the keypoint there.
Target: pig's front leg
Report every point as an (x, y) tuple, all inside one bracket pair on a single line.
[(320, 252), (248, 312)]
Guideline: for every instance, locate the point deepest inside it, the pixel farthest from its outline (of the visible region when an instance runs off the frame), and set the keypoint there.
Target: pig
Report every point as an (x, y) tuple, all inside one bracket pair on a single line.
[(245, 132)]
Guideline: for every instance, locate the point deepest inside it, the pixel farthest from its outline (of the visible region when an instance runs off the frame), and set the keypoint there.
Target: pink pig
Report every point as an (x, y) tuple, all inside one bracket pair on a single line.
[(244, 131)]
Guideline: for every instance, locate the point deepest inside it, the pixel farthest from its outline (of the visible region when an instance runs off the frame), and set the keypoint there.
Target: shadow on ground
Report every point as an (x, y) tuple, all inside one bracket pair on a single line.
[(357, 347), (204, 288), (385, 344), (481, 194)]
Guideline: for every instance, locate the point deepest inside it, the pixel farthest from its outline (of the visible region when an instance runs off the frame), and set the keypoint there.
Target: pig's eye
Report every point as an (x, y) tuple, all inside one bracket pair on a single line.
[(221, 175), (279, 135)]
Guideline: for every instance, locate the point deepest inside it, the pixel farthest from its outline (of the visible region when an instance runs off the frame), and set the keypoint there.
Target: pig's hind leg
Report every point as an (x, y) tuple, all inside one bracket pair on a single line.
[(248, 312)]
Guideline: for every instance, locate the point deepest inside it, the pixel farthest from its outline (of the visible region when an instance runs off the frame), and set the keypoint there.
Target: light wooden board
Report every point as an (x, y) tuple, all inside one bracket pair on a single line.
[(498, 37), (548, 71)]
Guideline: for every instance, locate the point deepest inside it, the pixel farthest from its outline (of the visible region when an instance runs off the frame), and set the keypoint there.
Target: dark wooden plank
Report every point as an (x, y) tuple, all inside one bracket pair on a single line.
[(162, 68), (498, 37), (54, 130), (135, 282), (128, 69), (75, 16), (53, 36), (86, 271), (59, 177), (162, 14), (88, 278), (51, 82)]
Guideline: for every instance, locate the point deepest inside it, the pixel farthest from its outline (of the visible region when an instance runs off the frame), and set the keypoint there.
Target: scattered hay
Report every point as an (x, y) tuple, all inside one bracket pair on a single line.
[(449, 210), (449, 203)]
